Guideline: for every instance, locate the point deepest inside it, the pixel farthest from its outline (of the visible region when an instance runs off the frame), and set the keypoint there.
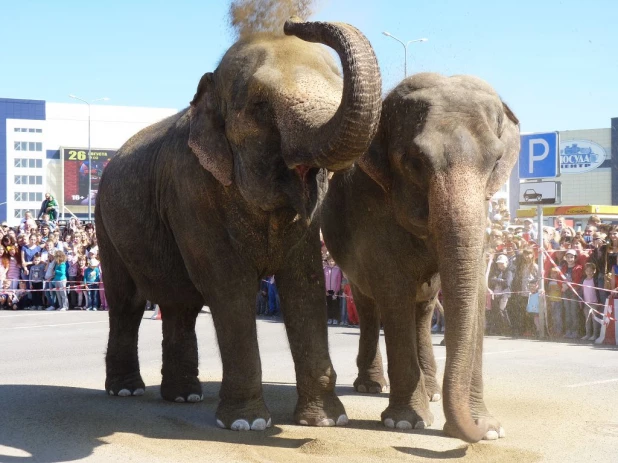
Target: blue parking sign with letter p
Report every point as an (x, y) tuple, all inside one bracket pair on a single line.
[(539, 155)]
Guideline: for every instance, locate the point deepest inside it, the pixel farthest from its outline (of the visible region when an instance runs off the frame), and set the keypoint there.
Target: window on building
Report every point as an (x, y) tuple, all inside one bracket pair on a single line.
[(17, 196), (28, 146), (39, 163)]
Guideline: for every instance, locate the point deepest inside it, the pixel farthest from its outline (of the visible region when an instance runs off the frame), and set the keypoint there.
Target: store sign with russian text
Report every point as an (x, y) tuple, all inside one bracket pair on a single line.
[(78, 191), (579, 156)]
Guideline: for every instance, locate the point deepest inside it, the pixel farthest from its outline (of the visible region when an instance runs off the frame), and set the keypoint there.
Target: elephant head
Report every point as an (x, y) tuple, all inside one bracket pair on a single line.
[(444, 146), (276, 110)]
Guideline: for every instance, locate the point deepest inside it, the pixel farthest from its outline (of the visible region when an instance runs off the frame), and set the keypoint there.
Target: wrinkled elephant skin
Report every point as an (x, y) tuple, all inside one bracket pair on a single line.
[(196, 209), (414, 208)]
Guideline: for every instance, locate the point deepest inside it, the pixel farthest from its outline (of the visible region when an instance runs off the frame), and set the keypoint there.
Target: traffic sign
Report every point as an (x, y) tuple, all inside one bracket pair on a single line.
[(539, 155), (539, 193)]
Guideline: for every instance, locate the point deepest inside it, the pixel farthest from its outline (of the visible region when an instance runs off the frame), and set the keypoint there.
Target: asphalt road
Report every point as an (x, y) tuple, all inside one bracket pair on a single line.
[(557, 401)]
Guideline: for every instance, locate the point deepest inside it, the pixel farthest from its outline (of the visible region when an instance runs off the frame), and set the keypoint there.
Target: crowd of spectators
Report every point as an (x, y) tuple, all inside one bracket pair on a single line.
[(48, 264), (568, 298)]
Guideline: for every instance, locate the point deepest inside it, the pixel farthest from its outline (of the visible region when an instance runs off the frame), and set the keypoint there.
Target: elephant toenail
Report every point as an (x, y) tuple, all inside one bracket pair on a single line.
[(124, 393), (491, 435), (195, 398), (361, 388), (220, 424), (404, 425), (501, 432), (138, 392), (240, 425), (342, 420), (303, 422), (111, 392), (420, 425), (384, 388), (258, 425), (326, 422), (179, 400), (375, 390), (270, 423), (389, 423), (436, 398)]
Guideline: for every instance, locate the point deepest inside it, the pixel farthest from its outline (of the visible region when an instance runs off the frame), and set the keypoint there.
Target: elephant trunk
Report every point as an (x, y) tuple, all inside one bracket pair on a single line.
[(336, 144), (457, 223)]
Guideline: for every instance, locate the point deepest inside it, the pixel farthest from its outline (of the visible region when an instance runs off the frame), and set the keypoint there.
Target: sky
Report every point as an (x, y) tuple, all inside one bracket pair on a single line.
[(554, 62)]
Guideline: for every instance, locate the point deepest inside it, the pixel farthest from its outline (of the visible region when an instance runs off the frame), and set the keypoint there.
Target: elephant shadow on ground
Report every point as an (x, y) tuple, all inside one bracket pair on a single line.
[(58, 423)]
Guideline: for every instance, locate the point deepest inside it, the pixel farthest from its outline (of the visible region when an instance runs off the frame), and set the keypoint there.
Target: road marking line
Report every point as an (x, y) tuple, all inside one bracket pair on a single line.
[(591, 383), (492, 353), (44, 326)]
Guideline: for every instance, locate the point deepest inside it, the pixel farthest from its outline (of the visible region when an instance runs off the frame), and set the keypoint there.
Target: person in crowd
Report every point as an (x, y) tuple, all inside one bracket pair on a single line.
[(24, 221), (597, 257), (6, 301), (529, 233), (560, 223), (353, 319), (23, 298), (11, 260), (554, 303), (332, 277), (589, 231), (102, 298), (60, 280), (50, 293), (49, 206), (500, 279), (525, 270), (45, 232), (27, 255), (496, 244), (591, 297), (572, 273), (261, 298), (74, 225), (92, 277), (37, 277), (274, 304), (343, 302)]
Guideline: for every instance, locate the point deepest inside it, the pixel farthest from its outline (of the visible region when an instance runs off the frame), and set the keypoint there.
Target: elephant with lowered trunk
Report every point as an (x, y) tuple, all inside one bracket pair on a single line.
[(413, 209), (197, 208)]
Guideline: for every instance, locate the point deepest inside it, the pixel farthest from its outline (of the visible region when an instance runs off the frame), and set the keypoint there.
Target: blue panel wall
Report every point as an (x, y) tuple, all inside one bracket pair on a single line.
[(14, 109), (614, 160)]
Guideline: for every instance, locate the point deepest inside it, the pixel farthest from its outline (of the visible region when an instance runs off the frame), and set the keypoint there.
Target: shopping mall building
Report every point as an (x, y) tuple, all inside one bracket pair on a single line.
[(43, 148)]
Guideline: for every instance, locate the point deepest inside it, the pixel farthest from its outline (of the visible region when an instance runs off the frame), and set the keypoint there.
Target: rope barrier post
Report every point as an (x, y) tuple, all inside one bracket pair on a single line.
[(539, 238)]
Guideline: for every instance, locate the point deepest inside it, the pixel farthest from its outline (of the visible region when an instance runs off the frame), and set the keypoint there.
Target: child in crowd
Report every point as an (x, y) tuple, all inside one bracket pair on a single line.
[(572, 273), (591, 296), (37, 277), (60, 280), (22, 296), (49, 285), (554, 301), (92, 277), (11, 260)]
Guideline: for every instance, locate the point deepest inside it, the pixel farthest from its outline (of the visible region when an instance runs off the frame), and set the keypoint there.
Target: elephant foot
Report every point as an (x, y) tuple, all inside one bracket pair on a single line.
[(434, 391), (125, 386), (236, 415), (189, 390), (493, 428), (325, 410), (367, 385), (406, 417)]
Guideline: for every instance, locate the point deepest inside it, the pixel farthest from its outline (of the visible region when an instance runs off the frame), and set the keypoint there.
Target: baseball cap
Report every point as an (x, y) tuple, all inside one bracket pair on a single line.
[(572, 252), (502, 259)]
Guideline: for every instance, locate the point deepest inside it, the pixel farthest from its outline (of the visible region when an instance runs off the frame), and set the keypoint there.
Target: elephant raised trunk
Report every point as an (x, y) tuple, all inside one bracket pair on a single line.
[(347, 133), (457, 225)]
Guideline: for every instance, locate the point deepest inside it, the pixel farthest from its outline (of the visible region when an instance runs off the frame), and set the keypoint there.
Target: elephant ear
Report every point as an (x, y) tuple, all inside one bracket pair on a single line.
[(375, 162), (207, 137)]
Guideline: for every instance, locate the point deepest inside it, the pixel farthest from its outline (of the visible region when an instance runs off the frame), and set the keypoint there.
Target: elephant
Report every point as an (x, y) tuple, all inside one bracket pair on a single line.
[(412, 209), (196, 209)]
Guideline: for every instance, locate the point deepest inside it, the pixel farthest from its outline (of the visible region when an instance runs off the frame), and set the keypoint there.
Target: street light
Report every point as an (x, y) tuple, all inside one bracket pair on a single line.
[(405, 50), (89, 155)]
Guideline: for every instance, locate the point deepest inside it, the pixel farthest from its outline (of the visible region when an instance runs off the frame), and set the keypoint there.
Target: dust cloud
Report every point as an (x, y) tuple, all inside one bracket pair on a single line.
[(248, 16)]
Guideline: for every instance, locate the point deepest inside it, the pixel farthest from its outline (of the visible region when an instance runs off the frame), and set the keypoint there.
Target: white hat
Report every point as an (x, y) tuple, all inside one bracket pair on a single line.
[(497, 218), (528, 220), (502, 259), (93, 262), (571, 251)]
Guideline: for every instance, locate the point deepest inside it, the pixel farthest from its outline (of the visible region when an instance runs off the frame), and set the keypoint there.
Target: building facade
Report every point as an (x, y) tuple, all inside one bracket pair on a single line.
[(44, 146)]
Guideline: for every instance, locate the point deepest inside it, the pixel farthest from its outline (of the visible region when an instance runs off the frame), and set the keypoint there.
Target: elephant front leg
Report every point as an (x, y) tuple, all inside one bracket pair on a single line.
[(303, 303), (370, 377), (242, 406), (408, 400), (426, 358), (180, 361)]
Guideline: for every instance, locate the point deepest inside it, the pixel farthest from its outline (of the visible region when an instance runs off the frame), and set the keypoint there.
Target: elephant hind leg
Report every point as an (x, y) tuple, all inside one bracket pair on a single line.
[(426, 358), (180, 360), (126, 310), (369, 361)]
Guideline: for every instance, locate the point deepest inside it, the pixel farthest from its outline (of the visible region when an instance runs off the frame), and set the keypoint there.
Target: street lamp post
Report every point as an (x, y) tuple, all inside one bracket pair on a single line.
[(405, 50), (89, 154)]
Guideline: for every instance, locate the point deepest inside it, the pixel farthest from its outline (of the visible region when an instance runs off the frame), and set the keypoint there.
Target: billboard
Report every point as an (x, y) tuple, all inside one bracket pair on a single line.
[(76, 170), (579, 156)]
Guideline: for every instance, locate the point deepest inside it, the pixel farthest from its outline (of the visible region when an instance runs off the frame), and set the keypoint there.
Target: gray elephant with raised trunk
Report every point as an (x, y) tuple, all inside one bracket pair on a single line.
[(197, 208), (414, 208)]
